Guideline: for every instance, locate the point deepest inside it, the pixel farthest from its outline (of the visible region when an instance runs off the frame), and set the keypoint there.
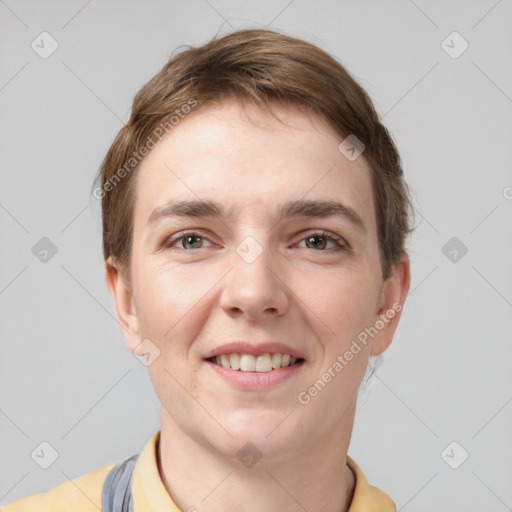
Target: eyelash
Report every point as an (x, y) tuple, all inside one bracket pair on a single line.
[(321, 234)]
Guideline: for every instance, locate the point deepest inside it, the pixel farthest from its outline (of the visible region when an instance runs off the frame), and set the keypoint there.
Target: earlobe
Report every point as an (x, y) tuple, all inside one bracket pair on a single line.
[(393, 296), (122, 297)]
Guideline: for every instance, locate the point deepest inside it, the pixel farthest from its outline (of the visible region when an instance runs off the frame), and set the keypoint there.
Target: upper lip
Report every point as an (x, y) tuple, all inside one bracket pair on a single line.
[(256, 349)]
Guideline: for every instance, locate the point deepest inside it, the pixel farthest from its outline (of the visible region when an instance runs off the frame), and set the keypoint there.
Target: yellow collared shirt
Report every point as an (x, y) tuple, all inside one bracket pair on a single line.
[(83, 494)]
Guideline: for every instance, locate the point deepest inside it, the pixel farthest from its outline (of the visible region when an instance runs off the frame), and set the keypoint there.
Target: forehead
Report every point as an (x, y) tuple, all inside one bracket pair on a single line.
[(247, 160)]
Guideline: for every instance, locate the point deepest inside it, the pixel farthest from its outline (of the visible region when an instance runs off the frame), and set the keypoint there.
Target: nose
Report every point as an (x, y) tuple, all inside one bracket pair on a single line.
[(254, 288)]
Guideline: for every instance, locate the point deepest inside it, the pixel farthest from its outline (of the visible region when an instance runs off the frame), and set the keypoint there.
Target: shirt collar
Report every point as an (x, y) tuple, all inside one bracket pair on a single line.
[(367, 497), (150, 493)]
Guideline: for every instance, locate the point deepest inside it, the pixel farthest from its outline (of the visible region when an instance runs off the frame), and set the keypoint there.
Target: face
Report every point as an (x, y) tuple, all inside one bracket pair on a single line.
[(256, 277)]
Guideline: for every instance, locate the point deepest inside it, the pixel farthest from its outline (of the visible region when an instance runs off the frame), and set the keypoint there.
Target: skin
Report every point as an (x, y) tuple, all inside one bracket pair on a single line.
[(190, 298)]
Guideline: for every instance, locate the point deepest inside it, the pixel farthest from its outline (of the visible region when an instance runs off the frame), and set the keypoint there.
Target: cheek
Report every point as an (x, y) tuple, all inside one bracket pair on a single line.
[(346, 303), (347, 311), (347, 307), (170, 314), (165, 297)]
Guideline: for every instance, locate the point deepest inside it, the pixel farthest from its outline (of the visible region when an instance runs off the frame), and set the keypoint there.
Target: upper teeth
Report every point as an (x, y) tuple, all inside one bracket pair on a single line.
[(250, 363)]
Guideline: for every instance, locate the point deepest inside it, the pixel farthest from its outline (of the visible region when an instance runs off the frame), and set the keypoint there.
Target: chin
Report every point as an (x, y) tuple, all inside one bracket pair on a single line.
[(266, 430)]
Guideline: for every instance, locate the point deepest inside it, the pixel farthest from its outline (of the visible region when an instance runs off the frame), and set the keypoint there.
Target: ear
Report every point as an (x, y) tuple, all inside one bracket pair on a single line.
[(393, 294), (122, 297)]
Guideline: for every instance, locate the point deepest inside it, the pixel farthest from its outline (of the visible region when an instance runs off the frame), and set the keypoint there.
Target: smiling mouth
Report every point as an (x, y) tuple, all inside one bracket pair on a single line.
[(249, 363)]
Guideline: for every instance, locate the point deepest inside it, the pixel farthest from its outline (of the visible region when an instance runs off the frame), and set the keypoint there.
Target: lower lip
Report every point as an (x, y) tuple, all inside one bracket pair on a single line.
[(255, 381)]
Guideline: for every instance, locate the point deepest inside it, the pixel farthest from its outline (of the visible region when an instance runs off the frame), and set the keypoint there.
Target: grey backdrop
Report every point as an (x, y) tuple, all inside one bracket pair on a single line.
[(66, 377)]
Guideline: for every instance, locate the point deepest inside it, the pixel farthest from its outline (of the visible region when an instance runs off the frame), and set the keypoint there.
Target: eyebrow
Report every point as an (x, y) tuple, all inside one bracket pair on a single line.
[(287, 210)]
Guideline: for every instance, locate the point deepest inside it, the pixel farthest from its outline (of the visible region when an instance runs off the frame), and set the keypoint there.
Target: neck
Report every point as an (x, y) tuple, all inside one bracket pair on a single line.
[(198, 477)]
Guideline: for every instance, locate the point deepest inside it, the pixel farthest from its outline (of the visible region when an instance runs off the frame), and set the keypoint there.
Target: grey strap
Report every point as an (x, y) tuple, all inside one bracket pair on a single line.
[(117, 494)]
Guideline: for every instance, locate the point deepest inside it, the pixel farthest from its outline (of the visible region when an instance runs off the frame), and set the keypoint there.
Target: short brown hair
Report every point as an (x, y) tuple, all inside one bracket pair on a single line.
[(266, 68)]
